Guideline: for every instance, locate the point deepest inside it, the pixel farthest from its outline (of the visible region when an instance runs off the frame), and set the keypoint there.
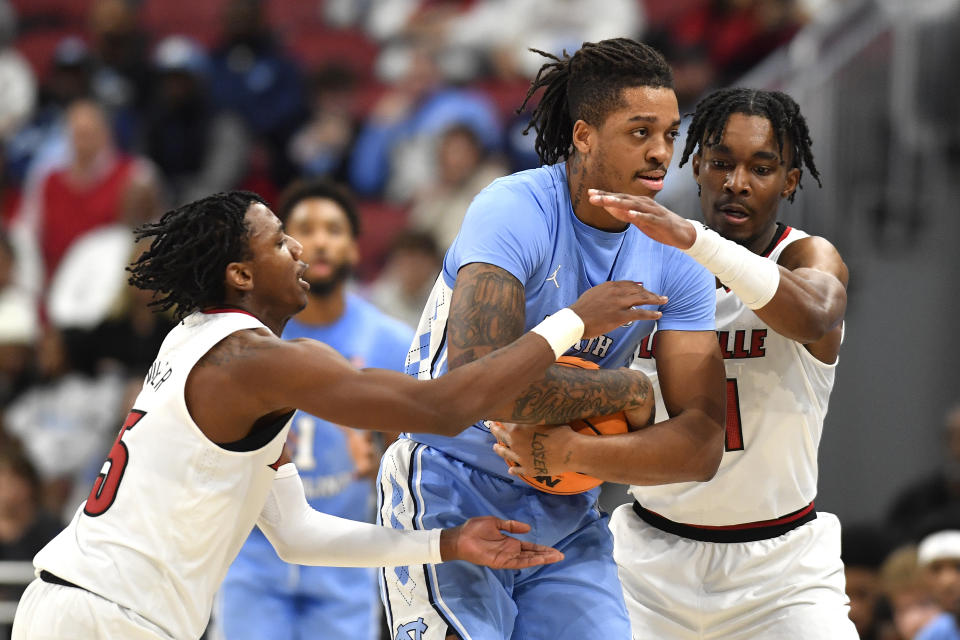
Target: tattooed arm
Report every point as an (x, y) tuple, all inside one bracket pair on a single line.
[(488, 311), (687, 447), (252, 377)]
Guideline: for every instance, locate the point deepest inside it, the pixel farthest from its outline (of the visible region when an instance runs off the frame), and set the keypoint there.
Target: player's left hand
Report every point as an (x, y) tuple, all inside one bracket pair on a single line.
[(533, 450), (482, 541), (648, 215)]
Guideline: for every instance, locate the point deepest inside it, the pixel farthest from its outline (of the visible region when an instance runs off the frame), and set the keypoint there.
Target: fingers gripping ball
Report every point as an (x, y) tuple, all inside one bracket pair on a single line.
[(572, 482)]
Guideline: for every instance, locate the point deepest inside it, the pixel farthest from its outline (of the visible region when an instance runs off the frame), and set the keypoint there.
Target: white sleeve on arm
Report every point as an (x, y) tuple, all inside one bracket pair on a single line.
[(302, 535)]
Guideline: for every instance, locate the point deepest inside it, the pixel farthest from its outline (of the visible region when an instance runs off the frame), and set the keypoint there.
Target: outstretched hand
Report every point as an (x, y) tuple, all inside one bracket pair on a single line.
[(482, 541), (648, 215)]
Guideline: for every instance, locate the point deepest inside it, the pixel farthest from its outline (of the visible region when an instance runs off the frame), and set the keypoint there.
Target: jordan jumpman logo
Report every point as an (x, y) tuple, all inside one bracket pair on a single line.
[(554, 276)]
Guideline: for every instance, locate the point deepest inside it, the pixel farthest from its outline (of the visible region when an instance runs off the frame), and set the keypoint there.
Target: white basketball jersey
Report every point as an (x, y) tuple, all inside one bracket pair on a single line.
[(777, 396), (170, 509)]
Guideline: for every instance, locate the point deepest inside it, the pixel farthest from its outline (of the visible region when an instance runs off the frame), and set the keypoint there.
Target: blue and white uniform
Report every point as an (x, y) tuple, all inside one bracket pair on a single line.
[(264, 596), (524, 224)]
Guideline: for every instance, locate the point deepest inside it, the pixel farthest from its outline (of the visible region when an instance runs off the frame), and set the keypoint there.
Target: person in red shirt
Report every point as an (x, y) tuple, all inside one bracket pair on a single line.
[(99, 186)]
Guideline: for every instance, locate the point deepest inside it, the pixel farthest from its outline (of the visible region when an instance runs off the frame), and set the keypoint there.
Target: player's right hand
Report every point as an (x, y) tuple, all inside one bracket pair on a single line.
[(609, 305)]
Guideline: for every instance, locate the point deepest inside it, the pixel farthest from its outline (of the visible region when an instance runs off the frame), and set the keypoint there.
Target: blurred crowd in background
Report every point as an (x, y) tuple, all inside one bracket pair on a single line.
[(113, 111)]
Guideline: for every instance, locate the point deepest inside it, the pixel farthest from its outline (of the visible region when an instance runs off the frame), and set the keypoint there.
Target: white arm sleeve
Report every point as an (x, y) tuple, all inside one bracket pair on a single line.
[(302, 535)]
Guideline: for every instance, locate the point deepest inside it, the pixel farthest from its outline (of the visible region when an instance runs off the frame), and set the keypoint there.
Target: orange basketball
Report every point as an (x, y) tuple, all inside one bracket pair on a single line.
[(573, 482)]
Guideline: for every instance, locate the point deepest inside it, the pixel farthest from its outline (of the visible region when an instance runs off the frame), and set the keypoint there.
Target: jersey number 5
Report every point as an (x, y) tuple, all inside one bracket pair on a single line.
[(734, 440), (105, 486)]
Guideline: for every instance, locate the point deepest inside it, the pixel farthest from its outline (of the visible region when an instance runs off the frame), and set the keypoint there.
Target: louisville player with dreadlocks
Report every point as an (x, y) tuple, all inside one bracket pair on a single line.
[(746, 555), (199, 459), (530, 243)]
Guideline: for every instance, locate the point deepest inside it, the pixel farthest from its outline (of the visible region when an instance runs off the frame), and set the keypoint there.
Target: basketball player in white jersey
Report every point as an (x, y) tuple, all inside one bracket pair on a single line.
[(199, 459), (744, 555)]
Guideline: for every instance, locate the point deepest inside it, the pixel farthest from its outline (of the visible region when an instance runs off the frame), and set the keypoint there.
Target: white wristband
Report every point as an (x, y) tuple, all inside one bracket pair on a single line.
[(561, 330), (753, 278)]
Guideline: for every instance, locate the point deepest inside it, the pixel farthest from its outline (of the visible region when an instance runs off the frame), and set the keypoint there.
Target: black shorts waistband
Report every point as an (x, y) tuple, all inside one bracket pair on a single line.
[(749, 532), (46, 576)]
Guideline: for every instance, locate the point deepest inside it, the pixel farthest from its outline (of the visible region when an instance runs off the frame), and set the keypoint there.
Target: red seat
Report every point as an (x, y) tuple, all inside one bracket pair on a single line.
[(199, 20), (380, 222), (38, 46), (314, 47), (61, 13)]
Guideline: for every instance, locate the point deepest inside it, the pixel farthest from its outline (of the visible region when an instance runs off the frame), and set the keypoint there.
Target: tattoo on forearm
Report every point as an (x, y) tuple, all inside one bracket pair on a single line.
[(487, 313), (566, 394)]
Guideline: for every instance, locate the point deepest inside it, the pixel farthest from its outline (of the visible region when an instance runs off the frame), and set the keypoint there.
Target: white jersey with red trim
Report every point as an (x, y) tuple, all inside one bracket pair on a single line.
[(170, 509), (777, 395)]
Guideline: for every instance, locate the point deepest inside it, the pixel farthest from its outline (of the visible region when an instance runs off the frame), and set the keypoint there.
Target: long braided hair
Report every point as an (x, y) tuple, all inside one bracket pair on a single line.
[(789, 125), (192, 246), (587, 86)]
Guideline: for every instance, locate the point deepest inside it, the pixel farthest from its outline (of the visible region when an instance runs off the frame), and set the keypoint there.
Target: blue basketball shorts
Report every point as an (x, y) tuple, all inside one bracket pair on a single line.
[(579, 597), (280, 600)]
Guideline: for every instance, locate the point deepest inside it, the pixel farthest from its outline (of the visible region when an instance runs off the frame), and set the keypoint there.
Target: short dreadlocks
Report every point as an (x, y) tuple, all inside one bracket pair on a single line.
[(789, 125), (192, 246), (587, 86)]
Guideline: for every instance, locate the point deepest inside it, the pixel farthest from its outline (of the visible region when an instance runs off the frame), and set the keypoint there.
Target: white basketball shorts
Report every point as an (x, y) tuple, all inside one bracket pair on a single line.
[(55, 612), (787, 587)]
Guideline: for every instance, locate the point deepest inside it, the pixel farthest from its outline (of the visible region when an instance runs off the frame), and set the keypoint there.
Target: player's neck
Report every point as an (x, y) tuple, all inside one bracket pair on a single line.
[(325, 309), (579, 180)]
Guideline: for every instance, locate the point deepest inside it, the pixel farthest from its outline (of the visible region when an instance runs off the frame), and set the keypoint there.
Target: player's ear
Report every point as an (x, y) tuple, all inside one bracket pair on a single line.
[(583, 136), (239, 276), (790, 184), (695, 163)]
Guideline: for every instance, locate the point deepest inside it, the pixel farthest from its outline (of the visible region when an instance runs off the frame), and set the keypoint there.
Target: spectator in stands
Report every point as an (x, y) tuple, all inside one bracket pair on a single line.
[(18, 326), (16, 77), (403, 285), (502, 31), (65, 421), (464, 168), (394, 154), (42, 144), (253, 76), (937, 496), (200, 149), (121, 75), (911, 605), (100, 186), (863, 549), (25, 526), (126, 341), (737, 33), (938, 554), (322, 145)]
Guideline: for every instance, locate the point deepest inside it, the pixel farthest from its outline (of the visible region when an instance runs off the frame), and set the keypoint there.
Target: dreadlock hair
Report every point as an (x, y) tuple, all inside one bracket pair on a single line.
[(192, 246), (588, 86), (789, 125)]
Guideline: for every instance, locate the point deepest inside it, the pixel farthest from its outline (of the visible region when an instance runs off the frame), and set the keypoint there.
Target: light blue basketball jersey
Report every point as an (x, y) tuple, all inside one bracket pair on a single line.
[(524, 223), (367, 338)]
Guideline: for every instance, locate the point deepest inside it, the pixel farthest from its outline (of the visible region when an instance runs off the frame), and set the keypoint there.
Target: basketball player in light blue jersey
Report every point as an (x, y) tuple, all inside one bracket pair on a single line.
[(531, 243), (263, 596)]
